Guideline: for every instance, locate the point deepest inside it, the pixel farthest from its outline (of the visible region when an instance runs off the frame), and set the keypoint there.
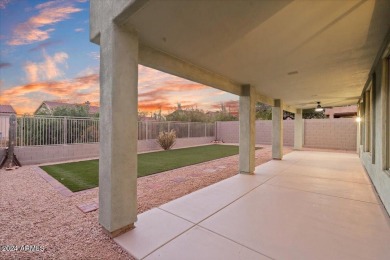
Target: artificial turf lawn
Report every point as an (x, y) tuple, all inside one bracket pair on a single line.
[(84, 175)]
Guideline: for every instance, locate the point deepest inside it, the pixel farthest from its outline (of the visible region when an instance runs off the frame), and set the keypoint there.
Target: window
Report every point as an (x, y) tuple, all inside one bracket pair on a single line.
[(372, 117), (387, 86), (367, 121)]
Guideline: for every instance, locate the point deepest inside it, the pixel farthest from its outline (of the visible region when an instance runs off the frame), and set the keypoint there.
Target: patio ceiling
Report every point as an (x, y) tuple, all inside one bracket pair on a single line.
[(297, 51)]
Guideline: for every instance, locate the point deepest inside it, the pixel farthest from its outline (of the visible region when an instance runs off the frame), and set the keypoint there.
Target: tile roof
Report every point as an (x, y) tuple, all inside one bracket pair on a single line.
[(7, 109)]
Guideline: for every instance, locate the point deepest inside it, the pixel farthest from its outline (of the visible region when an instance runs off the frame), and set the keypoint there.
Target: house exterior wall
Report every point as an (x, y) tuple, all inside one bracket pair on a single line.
[(376, 161), (318, 133), (330, 112), (4, 127)]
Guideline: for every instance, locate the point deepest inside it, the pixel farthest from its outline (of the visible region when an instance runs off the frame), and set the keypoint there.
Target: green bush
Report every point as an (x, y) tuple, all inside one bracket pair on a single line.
[(166, 139)]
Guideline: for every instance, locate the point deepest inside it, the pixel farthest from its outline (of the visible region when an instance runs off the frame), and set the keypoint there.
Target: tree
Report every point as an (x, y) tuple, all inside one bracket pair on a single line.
[(222, 116), (188, 115), (312, 114), (72, 111), (263, 111)]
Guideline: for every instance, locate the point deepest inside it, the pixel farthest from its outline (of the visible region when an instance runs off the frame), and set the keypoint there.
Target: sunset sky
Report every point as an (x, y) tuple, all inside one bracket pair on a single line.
[(45, 54)]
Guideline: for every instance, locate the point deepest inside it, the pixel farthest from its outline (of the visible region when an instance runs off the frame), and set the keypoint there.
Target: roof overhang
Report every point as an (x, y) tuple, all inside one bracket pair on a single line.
[(297, 51)]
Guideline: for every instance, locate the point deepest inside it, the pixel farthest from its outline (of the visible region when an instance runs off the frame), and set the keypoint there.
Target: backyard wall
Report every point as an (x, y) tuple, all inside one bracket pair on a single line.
[(318, 133), (337, 134), (152, 145), (56, 153), (228, 132)]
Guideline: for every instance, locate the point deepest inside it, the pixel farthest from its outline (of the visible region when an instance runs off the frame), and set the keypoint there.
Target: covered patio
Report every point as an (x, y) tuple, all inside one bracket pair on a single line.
[(310, 205), (287, 54)]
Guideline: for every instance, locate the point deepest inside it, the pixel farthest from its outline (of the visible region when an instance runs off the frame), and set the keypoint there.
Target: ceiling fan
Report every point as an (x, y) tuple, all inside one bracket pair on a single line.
[(327, 104)]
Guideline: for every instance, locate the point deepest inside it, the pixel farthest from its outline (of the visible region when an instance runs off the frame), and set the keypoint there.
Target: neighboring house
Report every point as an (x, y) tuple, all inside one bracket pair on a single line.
[(5, 112), (341, 112), (48, 107)]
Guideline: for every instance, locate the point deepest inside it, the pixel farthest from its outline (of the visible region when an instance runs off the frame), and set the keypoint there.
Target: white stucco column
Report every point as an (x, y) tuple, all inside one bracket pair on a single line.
[(298, 130), (247, 129), (277, 130), (118, 129)]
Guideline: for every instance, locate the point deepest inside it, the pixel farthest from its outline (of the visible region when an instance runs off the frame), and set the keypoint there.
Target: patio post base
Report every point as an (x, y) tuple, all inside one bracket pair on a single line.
[(118, 232), (248, 173)]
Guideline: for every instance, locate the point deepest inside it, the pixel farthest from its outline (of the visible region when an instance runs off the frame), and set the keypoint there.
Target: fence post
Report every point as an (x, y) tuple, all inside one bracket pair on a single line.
[(146, 130), (169, 126), (11, 159), (21, 132), (205, 129), (65, 124), (189, 129), (216, 130)]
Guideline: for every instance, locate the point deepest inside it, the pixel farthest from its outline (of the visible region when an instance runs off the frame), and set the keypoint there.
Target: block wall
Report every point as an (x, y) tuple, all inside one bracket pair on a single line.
[(28, 155), (331, 134), (229, 132), (318, 133)]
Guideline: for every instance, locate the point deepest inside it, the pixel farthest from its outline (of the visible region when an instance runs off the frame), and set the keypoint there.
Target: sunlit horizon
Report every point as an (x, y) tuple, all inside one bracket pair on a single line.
[(46, 56)]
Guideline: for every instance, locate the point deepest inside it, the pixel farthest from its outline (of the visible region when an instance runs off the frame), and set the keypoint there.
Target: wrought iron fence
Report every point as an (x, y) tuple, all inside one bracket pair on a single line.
[(150, 130), (43, 130), (47, 130)]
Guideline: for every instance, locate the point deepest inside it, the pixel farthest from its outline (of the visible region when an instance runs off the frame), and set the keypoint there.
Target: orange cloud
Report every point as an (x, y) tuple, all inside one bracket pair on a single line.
[(78, 90), (231, 105), (156, 90), (49, 13)]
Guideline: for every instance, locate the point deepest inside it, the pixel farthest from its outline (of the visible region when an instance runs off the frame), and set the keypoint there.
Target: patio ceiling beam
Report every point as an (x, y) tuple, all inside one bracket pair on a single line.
[(164, 62), (289, 108), (271, 102)]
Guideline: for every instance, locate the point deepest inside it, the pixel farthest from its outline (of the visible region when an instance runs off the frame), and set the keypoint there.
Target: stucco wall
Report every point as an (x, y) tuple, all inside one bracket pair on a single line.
[(55, 153), (318, 133)]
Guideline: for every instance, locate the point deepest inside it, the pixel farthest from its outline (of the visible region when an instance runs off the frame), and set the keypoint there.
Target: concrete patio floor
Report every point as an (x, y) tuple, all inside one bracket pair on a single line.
[(310, 205)]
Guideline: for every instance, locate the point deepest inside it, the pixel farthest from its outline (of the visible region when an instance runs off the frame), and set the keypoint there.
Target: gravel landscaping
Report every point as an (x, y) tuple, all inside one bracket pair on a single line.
[(33, 213)]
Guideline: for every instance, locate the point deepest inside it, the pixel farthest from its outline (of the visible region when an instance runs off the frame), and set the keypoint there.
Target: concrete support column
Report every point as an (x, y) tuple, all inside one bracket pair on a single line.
[(118, 129), (298, 130), (277, 130), (247, 129), (358, 138)]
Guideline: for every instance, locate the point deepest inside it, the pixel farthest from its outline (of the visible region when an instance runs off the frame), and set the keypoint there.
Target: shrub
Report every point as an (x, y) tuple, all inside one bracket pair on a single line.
[(166, 139)]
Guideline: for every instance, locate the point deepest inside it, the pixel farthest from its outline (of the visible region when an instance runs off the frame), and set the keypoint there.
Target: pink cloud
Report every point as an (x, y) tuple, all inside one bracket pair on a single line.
[(4, 3), (49, 13), (46, 70), (78, 90), (44, 45)]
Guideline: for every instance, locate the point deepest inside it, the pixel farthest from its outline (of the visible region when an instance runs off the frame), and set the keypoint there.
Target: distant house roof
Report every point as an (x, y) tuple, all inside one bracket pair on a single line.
[(54, 104), (7, 109), (345, 111)]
